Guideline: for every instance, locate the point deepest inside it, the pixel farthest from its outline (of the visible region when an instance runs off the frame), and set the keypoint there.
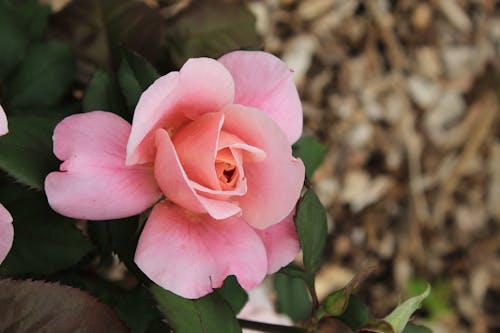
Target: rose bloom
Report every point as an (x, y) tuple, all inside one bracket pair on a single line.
[(209, 149), (6, 229)]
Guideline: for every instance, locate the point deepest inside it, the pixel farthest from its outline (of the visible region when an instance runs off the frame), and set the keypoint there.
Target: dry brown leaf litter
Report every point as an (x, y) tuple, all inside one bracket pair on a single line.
[(405, 95)]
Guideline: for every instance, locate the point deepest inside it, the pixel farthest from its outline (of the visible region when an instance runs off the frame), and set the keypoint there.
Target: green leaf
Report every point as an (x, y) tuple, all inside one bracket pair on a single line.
[(35, 306), (135, 75), (57, 112), (233, 293), (30, 16), (13, 44), (438, 302), (294, 271), (44, 242), (356, 314), (97, 29), (210, 28), (401, 315), (158, 326), (116, 236), (311, 152), (410, 328), (20, 23), (137, 309), (311, 227), (292, 297), (103, 94), (26, 152), (208, 314), (43, 78)]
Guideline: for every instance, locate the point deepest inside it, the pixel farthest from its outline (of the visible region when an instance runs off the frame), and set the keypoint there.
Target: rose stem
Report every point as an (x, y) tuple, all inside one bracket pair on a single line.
[(270, 328)]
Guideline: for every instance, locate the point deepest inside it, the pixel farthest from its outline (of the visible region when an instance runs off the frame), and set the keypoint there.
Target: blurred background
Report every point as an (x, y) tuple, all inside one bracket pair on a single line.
[(405, 96)]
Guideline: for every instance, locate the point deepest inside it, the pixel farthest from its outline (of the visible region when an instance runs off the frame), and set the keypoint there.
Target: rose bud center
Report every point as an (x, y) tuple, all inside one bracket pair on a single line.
[(226, 169)]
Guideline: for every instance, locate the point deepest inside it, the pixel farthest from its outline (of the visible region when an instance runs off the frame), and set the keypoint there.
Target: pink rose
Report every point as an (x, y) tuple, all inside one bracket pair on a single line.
[(6, 229), (210, 149)]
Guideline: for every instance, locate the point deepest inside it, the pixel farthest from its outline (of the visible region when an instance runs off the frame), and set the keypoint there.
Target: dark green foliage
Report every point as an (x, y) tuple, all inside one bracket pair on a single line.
[(292, 297), (311, 226), (26, 152), (44, 242), (43, 78), (204, 315), (356, 314), (233, 293), (103, 94), (311, 152), (135, 75)]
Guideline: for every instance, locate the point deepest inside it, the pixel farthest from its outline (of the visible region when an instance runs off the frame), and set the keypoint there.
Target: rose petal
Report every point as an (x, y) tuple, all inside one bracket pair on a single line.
[(282, 243), (202, 85), (4, 129), (250, 153), (196, 146), (6, 232), (190, 254), (94, 182), (177, 187), (274, 184), (265, 82)]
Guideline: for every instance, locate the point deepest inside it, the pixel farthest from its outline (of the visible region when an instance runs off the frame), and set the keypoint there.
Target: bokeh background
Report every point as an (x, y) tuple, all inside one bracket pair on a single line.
[(405, 96)]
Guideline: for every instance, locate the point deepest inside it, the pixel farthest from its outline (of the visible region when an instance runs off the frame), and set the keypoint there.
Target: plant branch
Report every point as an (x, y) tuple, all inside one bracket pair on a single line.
[(270, 328), (312, 290)]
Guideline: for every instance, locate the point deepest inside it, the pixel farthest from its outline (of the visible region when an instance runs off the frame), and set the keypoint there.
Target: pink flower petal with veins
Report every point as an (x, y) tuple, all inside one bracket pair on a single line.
[(176, 185), (215, 140), (266, 83), (274, 184), (282, 243), (190, 254), (93, 182), (202, 85), (196, 146)]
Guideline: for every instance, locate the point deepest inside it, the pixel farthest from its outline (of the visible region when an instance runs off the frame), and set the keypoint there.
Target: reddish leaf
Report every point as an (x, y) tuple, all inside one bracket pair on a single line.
[(36, 306)]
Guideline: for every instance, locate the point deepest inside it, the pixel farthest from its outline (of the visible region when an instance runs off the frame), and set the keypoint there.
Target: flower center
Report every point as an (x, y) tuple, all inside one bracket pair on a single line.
[(225, 169), (225, 172)]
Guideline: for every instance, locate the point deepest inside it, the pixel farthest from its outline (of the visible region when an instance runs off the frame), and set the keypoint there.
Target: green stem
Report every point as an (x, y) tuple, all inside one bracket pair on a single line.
[(270, 328), (312, 290)]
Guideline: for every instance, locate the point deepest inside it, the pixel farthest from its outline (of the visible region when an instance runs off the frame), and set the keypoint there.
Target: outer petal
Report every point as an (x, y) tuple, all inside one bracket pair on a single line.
[(282, 243), (3, 122), (177, 187), (202, 85), (94, 182), (274, 184), (190, 254), (6, 232), (265, 82)]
